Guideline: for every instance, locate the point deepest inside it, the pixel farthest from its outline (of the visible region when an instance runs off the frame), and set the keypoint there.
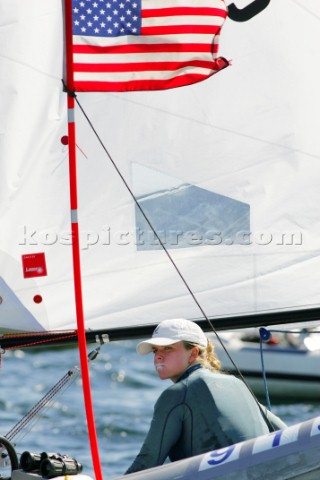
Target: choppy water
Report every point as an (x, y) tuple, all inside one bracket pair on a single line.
[(124, 390)]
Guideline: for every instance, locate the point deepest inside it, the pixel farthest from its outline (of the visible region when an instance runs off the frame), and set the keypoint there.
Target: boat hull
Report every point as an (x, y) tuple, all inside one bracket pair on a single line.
[(292, 453)]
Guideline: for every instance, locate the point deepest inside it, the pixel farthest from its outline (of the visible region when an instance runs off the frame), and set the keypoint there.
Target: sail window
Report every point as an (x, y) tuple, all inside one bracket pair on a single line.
[(185, 215)]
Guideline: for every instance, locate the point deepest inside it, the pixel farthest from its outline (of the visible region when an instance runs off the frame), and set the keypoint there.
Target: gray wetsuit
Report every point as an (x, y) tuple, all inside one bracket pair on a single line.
[(202, 411)]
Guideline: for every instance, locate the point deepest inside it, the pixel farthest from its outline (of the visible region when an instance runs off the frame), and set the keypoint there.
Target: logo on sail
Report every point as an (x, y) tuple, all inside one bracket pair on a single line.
[(34, 265)]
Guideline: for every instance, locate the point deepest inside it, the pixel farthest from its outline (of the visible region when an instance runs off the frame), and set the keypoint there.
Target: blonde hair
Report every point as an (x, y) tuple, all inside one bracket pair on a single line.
[(206, 356)]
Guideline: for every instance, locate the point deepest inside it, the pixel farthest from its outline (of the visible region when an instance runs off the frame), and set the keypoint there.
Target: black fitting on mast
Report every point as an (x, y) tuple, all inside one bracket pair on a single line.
[(71, 93)]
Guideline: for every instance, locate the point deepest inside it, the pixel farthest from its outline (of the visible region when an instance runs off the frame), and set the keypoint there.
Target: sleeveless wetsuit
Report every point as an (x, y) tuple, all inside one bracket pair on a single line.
[(201, 412)]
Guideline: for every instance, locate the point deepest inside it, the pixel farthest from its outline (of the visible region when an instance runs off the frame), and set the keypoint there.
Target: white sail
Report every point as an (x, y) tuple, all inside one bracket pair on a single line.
[(227, 171)]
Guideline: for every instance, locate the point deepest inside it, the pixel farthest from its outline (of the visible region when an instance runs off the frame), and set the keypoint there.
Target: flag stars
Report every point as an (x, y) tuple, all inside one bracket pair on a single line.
[(106, 17)]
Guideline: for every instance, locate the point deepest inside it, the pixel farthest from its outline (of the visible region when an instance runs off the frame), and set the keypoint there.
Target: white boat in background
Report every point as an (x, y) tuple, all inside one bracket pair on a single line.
[(227, 173), (290, 361)]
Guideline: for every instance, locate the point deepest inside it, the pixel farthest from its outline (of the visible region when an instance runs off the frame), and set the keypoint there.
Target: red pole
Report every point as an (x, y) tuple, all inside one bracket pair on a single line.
[(76, 247)]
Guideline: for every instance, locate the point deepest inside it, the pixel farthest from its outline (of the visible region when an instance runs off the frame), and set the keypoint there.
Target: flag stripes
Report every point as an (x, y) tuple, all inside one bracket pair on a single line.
[(167, 46)]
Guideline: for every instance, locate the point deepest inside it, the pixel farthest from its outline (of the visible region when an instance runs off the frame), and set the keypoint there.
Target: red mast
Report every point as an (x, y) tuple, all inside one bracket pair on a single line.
[(76, 245)]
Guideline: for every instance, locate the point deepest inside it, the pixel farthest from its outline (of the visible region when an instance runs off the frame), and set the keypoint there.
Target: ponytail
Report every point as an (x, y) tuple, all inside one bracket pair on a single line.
[(206, 356), (211, 361)]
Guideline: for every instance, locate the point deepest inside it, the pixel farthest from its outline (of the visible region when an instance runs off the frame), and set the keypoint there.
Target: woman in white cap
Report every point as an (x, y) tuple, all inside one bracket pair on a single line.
[(204, 409)]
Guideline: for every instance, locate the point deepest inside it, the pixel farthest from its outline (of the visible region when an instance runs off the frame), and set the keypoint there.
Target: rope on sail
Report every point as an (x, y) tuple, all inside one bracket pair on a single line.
[(175, 266)]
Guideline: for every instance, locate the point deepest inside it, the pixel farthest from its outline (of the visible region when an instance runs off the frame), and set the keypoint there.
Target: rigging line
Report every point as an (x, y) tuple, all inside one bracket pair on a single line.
[(269, 311), (147, 219), (32, 415), (142, 211), (221, 129), (264, 375), (307, 331), (306, 9), (43, 403), (172, 261)]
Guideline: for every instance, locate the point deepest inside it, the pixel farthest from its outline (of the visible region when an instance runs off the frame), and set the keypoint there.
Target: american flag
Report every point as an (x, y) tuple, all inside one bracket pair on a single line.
[(121, 45)]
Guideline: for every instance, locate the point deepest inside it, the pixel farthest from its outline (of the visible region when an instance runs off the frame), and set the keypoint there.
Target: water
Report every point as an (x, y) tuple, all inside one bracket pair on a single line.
[(124, 390)]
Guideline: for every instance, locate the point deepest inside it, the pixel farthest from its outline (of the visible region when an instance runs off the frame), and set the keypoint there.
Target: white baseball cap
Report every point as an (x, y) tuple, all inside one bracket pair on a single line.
[(173, 331)]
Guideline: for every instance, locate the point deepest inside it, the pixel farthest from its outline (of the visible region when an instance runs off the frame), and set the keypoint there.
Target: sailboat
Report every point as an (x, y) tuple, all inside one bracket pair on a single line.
[(281, 364), (226, 172)]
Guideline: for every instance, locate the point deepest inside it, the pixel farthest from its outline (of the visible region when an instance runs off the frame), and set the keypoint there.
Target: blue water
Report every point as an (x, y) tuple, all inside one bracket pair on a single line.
[(124, 390)]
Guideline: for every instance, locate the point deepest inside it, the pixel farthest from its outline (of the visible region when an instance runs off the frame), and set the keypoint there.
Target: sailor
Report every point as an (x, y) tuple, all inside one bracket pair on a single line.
[(204, 409)]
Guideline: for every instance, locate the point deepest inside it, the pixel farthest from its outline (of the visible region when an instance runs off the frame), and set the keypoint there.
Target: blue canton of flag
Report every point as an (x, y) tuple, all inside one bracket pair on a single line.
[(106, 18)]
